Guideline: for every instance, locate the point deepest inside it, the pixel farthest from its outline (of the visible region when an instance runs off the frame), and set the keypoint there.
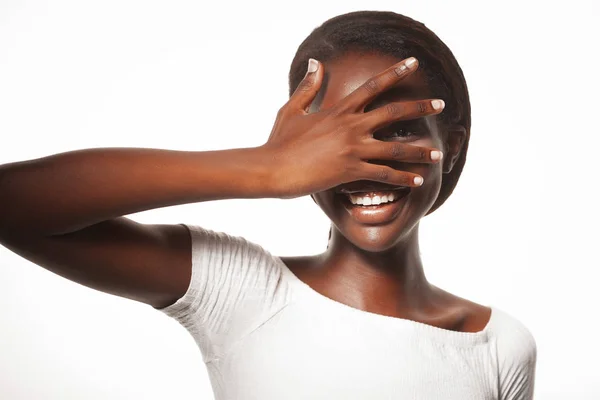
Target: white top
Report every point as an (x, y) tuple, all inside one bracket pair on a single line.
[(264, 334)]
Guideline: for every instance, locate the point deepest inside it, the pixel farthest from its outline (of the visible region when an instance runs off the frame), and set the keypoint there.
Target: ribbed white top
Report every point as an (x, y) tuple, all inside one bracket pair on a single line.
[(265, 334)]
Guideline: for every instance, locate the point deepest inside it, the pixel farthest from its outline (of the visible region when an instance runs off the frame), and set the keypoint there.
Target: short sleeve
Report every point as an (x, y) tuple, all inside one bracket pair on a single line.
[(236, 285), (517, 358)]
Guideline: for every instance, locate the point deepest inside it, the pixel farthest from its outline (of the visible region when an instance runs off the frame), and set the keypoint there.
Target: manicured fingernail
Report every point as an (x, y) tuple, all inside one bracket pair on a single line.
[(436, 155), (418, 180), (410, 62), (313, 65), (437, 104)]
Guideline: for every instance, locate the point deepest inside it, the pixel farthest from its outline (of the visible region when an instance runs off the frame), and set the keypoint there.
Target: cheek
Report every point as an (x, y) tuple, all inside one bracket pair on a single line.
[(427, 141), (323, 199), (430, 171), (433, 143)]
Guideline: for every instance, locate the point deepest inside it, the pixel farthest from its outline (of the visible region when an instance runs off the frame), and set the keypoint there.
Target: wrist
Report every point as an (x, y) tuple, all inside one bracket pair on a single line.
[(261, 172)]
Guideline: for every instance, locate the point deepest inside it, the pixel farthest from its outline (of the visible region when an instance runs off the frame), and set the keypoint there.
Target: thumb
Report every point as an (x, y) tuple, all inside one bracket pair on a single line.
[(308, 87)]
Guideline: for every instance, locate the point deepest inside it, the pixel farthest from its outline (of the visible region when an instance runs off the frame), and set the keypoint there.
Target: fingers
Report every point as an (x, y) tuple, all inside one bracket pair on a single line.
[(374, 86), (308, 87), (374, 149), (385, 174), (398, 111)]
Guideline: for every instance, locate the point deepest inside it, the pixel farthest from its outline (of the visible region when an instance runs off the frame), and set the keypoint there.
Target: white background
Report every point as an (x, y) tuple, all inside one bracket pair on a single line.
[(520, 231)]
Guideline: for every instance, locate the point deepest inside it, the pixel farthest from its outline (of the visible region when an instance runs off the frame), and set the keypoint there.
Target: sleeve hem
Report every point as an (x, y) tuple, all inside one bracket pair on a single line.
[(178, 307)]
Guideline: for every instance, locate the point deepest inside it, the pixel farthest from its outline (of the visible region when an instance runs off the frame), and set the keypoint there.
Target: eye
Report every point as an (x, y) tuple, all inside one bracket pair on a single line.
[(402, 132), (398, 133)]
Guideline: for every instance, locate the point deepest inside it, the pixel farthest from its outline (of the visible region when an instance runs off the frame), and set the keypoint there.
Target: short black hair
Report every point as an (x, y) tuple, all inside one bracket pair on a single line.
[(393, 34)]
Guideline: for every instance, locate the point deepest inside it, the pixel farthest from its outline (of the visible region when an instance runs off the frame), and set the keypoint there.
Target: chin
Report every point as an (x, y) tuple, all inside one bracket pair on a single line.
[(377, 238), (381, 227)]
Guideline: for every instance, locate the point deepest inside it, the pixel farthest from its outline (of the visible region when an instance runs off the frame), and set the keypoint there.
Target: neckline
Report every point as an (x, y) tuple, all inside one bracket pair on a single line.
[(421, 329)]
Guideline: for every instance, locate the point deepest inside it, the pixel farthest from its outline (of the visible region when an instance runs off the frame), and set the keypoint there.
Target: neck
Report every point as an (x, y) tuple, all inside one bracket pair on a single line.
[(392, 279)]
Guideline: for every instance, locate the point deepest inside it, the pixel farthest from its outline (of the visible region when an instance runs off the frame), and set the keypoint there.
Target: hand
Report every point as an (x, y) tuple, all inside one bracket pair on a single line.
[(317, 151)]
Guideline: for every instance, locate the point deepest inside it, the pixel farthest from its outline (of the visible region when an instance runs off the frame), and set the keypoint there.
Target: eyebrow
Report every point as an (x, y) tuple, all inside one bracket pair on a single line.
[(410, 89), (419, 122)]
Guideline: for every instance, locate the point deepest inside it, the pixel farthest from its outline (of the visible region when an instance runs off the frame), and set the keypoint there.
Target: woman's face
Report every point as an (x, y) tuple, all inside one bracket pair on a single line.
[(381, 232)]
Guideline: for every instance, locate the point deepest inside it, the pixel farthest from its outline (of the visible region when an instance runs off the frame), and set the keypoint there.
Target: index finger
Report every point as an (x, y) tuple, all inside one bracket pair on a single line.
[(374, 86)]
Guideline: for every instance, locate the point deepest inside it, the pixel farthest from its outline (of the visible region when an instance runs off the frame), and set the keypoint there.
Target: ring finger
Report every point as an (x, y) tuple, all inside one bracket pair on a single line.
[(380, 150)]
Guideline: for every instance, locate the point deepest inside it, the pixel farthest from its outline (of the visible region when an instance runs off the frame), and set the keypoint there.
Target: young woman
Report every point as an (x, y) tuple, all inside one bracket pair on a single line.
[(376, 131)]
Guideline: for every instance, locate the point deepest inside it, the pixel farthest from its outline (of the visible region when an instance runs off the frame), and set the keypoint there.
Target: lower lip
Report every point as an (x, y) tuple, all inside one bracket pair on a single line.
[(374, 215)]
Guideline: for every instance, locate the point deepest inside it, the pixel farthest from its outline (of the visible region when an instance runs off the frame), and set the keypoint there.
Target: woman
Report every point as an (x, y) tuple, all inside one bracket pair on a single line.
[(368, 135)]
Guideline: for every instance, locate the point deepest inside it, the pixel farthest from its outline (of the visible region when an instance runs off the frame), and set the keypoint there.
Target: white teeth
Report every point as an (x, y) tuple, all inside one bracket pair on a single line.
[(375, 200)]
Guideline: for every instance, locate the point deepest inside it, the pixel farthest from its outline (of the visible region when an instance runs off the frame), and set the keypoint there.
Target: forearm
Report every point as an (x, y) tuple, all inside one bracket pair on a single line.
[(66, 192)]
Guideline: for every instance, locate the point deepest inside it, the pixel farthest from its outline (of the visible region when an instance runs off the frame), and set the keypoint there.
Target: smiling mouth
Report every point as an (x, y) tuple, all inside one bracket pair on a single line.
[(374, 207), (375, 198)]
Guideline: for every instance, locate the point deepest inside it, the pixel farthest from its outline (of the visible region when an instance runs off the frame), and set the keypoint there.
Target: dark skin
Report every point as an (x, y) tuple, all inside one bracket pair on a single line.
[(66, 212), (378, 268)]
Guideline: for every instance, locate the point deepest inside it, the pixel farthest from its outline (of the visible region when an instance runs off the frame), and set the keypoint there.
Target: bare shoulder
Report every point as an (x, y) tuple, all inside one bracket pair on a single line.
[(475, 317)]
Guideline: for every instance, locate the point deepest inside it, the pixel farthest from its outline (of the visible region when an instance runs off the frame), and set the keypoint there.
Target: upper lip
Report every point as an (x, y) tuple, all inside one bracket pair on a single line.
[(362, 187)]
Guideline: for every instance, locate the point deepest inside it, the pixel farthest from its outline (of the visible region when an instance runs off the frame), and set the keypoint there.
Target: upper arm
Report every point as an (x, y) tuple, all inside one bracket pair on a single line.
[(142, 262)]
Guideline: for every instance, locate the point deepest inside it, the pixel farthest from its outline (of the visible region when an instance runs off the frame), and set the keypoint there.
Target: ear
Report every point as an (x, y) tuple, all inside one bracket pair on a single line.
[(455, 139)]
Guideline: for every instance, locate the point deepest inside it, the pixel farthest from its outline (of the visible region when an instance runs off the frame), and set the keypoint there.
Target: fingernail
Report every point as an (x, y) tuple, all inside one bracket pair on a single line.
[(418, 180), (313, 65), (436, 155), (405, 66), (437, 104)]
